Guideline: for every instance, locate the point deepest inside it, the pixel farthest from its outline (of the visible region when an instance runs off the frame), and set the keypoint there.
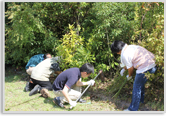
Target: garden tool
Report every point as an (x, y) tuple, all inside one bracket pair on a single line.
[(86, 88)]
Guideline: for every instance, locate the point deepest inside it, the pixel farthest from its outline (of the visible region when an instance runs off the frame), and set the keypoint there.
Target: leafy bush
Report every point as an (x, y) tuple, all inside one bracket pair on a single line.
[(152, 38), (149, 34), (153, 35), (26, 35), (72, 50)]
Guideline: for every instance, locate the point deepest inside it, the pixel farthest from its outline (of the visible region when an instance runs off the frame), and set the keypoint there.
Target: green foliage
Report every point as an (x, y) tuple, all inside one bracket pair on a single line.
[(149, 33), (36, 27), (107, 22), (153, 36), (25, 34), (117, 83), (72, 50)]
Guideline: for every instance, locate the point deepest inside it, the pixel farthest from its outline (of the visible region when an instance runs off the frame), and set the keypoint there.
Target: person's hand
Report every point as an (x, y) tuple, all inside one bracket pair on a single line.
[(128, 78), (91, 82), (122, 72), (73, 103)]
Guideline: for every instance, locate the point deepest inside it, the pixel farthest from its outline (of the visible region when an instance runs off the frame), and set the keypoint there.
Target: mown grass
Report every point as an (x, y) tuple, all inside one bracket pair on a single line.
[(97, 97), (18, 100)]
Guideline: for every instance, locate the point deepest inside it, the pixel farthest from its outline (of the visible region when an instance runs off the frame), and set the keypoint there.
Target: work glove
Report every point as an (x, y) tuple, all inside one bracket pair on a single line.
[(91, 82), (73, 103), (128, 78), (122, 72)]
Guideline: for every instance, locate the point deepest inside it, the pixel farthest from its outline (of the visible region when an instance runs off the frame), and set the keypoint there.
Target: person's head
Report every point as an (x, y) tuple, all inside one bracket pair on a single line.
[(117, 46), (47, 55), (55, 67), (86, 70)]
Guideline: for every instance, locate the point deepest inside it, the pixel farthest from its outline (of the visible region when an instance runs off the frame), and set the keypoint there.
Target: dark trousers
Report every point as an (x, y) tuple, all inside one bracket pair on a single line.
[(43, 84), (139, 90)]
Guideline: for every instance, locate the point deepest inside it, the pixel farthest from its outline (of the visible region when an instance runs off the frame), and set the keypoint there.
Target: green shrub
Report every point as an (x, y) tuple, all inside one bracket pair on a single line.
[(73, 51)]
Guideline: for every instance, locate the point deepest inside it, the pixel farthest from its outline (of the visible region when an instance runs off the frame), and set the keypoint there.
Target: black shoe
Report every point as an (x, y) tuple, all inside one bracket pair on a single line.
[(26, 89), (35, 90), (82, 101), (58, 102)]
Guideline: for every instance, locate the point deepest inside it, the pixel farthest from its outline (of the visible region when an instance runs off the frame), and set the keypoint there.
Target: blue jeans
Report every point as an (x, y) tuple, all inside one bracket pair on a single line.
[(139, 90)]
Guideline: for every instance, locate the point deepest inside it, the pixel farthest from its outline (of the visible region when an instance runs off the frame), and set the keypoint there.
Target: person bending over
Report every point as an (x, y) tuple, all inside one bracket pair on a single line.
[(67, 85), (135, 57), (35, 60), (40, 77)]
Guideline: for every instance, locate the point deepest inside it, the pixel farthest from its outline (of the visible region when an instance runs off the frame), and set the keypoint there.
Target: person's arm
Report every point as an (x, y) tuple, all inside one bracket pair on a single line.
[(65, 93), (79, 83), (130, 71), (122, 71)]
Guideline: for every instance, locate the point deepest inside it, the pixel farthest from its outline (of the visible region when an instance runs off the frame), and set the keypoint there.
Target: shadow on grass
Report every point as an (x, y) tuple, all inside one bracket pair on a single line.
[(22, 103), (49, 100), (11, 75)]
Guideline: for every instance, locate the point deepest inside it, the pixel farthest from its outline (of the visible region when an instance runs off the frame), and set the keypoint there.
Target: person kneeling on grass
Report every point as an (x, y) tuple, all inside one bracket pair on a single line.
[(67, 85), (35, 60), (134, 56), (40, 77)]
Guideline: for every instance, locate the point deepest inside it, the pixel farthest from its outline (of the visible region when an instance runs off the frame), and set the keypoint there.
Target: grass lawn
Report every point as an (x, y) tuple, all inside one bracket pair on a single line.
[(18, 100)]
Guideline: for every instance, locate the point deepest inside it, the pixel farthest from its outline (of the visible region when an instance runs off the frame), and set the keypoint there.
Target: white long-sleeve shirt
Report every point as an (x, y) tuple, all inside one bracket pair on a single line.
[(138, 57)]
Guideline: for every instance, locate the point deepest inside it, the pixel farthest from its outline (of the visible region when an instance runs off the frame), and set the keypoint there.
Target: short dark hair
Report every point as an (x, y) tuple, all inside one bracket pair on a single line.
[(45, 55), (89, 68), (117, 46)]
